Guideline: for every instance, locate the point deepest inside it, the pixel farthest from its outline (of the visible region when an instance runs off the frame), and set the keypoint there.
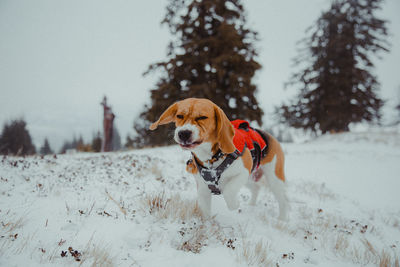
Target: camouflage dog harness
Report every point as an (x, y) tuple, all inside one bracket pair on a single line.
[(245, 136)]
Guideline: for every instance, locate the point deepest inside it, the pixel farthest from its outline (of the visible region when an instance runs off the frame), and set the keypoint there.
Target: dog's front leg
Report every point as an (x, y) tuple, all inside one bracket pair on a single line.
[(231, 189), (203, 197)]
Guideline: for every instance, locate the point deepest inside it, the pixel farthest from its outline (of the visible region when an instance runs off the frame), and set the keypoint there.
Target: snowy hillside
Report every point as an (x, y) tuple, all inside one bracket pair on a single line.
[(138, 209)]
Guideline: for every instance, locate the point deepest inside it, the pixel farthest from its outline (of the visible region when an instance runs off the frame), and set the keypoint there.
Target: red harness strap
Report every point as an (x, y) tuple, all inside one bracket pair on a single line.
[(256, 143)]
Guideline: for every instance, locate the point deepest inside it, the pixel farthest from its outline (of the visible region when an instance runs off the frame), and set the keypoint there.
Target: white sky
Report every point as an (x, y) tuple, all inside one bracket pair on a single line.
[(58, 59)]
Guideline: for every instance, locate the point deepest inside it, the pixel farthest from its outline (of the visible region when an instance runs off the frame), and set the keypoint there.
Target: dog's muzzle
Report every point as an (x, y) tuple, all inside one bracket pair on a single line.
[(187, 136)]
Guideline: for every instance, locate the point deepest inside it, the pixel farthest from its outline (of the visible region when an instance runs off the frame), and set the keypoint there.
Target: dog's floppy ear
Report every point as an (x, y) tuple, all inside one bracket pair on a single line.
[(167, 117), (224, 130)]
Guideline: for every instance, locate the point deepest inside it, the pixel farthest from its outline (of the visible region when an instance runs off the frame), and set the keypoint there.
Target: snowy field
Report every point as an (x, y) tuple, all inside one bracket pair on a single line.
[(138, 208)]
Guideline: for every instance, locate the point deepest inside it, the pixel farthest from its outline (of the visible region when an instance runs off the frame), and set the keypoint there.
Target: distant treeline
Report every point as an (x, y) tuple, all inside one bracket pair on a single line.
[(15, 139), (94, 145)]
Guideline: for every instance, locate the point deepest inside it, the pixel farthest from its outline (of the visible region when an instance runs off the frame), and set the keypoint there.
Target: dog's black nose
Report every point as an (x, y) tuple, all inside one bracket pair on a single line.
[(184, 135)]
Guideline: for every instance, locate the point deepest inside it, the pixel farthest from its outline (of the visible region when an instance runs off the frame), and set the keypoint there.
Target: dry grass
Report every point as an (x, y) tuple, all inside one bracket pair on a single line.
[(195, 239), (97, 255), (328, 232), (9, 233), (196, 232), (364, 253), (93, 254), (344, 238), (254, 253), (121, 208), (173, 208), (387, 260), (13, 242), (10, 225)]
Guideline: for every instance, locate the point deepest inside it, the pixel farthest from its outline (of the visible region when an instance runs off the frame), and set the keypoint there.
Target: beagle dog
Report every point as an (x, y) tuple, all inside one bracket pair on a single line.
[(221, 161)]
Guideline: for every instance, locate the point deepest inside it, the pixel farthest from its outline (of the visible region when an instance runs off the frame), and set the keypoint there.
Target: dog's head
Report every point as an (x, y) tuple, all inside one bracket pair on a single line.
[(198, 121)]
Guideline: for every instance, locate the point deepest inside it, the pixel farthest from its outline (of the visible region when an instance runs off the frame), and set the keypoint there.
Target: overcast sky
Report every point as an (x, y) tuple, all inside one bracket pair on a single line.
[(59, 58)]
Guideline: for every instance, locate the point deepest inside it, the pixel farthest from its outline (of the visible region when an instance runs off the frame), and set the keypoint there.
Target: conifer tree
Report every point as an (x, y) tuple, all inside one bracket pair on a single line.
[(96, 142), (15, 139), (76, 144), (45, 149), (337, 86), (80, 143), (212, 56), (67, 145), (129, 143)]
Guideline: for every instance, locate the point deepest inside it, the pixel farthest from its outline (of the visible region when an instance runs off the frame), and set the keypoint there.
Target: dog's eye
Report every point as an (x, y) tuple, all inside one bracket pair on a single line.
[(201, 118), (179, 116)]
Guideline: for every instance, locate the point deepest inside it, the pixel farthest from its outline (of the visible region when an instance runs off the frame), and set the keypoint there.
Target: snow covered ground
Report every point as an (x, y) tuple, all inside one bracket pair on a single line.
[(138, 208)]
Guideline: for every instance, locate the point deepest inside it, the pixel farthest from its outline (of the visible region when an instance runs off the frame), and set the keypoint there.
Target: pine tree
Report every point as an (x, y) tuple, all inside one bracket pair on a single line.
[(45, 149), (80, 142), (96, 142), (212, 57), (67, 145), (129, 143), (337, 86), (81, 146), (75, 144), (16, 140)]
